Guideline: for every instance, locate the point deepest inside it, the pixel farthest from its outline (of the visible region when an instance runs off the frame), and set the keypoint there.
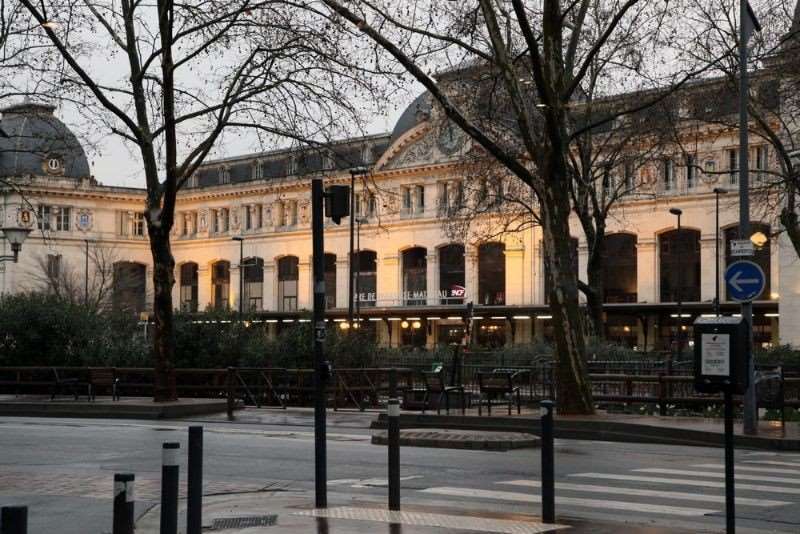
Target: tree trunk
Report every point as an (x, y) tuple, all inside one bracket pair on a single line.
[(164, 389), (573, 390)]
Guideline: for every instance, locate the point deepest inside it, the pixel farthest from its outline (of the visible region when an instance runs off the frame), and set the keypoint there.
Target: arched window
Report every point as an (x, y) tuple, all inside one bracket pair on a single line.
[(451, 274), (548, 279), (189, 287), (620, 261), (367, 276), (330, 280), (415, 266), (492, 274), (220, 284), (760, 258), (253, 283), (679, 259), (129, 287), (288, 273)]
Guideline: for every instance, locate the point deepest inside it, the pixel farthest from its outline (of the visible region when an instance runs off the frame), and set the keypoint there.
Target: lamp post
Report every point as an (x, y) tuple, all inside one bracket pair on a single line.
[(240, 239), (717, 192), (356, 171), (679, 294), (86, 273), (16, 236)]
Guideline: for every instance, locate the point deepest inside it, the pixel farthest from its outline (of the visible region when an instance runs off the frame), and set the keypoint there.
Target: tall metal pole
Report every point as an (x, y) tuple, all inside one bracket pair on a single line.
[(717, 192), (351, 269), (321, 368), (86, 275), (750, 425), (358, 274), (241, 278)]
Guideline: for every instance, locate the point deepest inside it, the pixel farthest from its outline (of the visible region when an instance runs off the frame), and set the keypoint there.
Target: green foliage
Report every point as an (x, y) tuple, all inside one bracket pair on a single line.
[(42, 329), (778, 355)]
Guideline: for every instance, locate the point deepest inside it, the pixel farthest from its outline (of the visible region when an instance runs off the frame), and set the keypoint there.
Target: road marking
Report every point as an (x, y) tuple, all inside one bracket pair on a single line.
[(709, 474), (574, 501), (686, 482), (367, 482), (772, 462), (718, 499), (751, 468)]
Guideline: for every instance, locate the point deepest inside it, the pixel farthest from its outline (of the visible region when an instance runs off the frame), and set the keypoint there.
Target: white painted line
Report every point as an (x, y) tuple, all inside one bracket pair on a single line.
[(709, 474), (573, 501), (686, 482), (739, 467), (679, 495), (773, 462)]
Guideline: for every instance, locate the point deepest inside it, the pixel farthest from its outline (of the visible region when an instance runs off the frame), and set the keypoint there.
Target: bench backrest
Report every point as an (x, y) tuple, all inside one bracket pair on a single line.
[(101, 375)]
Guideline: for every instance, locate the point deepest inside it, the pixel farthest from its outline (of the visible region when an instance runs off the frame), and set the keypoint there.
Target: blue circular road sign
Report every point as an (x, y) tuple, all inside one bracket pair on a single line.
[(745, 280)]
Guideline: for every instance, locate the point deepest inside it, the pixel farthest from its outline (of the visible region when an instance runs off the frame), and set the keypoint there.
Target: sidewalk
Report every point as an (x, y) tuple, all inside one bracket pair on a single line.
[(292, 512)]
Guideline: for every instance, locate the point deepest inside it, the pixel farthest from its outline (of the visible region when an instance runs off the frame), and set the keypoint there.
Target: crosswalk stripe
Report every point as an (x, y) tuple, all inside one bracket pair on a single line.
[(587, 503), (740, 467), (718, 499), (710, 474), (773, 462), (687, 482)]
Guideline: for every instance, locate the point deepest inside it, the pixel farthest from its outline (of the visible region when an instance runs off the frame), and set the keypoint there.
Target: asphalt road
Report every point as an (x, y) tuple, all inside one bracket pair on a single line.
[(63, 469)]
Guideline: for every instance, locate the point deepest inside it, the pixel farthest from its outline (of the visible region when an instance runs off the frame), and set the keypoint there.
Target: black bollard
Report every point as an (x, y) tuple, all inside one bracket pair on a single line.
[(548, 474), (393, 437), (124, 501), (194, 482), (14, 520), (170, 472)]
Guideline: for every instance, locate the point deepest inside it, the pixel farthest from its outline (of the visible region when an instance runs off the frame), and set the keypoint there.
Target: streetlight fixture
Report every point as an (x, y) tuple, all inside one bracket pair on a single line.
[(679, 294), (240, 239), (356, 171), (16, 236), (717, 192)]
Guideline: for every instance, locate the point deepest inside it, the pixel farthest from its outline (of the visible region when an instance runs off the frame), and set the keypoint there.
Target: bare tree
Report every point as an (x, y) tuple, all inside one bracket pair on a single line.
[(513, 71), (172, 79)]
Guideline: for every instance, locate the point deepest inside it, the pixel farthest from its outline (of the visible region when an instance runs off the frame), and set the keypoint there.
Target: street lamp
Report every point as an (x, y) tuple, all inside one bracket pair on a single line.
[(16, 236), (356, 171), (240, 239), (717, 192), (677, 212)]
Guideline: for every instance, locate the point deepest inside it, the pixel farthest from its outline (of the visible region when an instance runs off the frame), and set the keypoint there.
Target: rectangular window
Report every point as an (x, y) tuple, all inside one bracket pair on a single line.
[(359, 199), (371, 205), (444, 197), (668, 174), (43, 217), (248, 218), (629, 176), (762, 155), (420, 198), (224, 175), (733, 166), (406, 199), (53, 266), (691, 171), (458, 196), (62, 219), (138, 224)]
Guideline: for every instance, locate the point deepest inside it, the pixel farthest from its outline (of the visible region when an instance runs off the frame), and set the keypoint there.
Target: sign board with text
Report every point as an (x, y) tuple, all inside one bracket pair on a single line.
[(742, 248), (721, 354)]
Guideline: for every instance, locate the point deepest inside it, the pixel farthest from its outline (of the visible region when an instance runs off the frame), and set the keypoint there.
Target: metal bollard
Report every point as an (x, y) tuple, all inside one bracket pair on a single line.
[(124, 500), (393, 437), (14, 520), (548, 474), (170, 472), (194, 482)]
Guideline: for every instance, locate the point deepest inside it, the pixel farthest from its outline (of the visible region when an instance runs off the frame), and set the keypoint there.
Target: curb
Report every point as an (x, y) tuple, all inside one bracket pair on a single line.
[(485, 441), (591, 430)]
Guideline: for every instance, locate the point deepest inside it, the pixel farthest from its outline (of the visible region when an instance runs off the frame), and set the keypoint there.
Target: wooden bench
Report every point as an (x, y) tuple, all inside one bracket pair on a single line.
[(498, 384), (102, 377), (60, 382)]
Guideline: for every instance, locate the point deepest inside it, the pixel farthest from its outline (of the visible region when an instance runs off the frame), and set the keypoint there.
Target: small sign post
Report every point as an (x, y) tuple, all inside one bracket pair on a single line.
[(722, 364)]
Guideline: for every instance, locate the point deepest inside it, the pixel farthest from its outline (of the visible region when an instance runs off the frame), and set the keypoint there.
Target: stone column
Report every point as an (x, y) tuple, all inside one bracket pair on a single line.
[(270, 286), (203, 287), (515, 276), (647, 270), (432, 277), (707, 272), (471, 275), (304, 298), (789, 303), (234, 296), (342, 275)]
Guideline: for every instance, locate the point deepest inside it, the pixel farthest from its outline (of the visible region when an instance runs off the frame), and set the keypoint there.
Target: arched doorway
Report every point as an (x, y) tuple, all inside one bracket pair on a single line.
[(679, 260), (129, 293), (415, 282), (189, 280), (451, 274), (367, 275), (492, 274), (620, 281), (220, 284), (253, 285), (288, 275)]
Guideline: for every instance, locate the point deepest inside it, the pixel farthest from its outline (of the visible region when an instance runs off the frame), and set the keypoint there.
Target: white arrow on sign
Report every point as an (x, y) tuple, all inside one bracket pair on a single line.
[(736, 281)]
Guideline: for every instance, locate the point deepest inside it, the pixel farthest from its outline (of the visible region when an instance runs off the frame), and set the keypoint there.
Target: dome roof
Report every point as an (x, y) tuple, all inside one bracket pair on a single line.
[(33, 141), (416, 112)]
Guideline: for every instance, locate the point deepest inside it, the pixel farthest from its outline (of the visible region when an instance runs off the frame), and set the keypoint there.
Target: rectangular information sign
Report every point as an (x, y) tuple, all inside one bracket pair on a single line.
[(716, 354), (742, 247)]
